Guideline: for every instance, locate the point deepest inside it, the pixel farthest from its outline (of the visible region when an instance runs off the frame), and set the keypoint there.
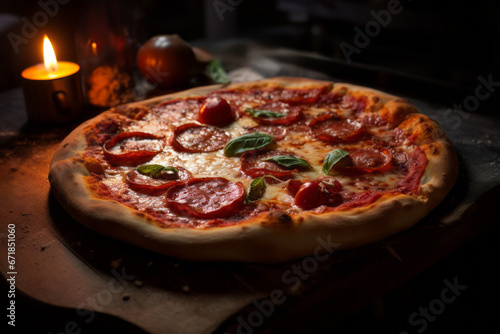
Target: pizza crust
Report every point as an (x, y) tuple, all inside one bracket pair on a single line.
[(271, 237), (266, 240)]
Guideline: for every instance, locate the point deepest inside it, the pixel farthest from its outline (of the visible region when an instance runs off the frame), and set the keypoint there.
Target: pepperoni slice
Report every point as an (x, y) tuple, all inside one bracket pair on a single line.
[(102, 132), (330, 99), (343, 101), (413, 166), (356, 104), (333, 129), (147, 185), (253, 164), (368, 159), (132, 148), (278, 132), (210, 197), (360, 199), (292, 114), (178, 110), (195, 138), (306, 95), (264, 94), (233, 97)]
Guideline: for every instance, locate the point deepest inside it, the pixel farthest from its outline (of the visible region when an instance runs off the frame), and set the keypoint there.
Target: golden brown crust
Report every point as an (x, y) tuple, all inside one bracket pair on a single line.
[(442, 167), (273, 237)]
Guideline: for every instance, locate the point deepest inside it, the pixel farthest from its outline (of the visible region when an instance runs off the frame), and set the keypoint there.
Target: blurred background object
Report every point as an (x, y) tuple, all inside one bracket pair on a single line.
[(9, 66), (449, 41), (106, 54)]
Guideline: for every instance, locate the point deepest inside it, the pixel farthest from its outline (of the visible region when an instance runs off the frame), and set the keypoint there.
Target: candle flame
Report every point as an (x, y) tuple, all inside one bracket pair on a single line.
[(49, 56), (94, 48)]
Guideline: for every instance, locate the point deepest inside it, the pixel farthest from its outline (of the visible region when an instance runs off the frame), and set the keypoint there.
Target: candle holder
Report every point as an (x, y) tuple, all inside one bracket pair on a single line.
[(53, 100)]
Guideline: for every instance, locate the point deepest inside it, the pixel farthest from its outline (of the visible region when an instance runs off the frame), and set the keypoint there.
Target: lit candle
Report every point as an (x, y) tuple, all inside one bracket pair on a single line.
[(52, 90)]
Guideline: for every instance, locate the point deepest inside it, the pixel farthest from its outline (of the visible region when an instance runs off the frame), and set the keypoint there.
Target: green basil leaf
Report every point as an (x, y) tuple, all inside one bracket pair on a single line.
[(154, 170), (217, 72), (256, 190), (332, 158), (289, 161), (172, 169), (247, 142), (150, 170), (263, 113)]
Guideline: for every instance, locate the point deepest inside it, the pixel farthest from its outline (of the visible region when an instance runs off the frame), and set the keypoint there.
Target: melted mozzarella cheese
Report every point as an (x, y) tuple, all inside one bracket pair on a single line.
[(303, 144)]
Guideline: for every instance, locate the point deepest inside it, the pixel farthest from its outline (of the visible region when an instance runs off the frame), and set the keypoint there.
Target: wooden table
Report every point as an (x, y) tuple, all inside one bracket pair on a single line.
[(63, 264)]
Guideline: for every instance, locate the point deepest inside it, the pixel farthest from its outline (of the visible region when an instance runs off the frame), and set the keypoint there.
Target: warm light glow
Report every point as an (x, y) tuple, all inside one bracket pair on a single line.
[(49, 56), (51, 69)]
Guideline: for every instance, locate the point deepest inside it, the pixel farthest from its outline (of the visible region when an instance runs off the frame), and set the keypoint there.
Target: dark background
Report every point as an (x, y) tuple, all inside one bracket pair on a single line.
[(451, 42)]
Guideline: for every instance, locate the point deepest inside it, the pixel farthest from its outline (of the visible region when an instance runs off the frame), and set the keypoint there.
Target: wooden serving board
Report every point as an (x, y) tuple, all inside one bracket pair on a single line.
[(61, 263)]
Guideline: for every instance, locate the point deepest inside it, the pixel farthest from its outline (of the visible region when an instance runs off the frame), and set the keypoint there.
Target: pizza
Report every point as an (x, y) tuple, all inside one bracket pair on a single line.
[(263, 171)]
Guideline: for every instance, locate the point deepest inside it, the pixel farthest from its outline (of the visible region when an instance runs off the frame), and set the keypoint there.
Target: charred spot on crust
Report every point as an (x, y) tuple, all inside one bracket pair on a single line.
[(148, 218), (277, 218), (375, 99), (433, 149), (426, 129), (285, 219), (420, 119)]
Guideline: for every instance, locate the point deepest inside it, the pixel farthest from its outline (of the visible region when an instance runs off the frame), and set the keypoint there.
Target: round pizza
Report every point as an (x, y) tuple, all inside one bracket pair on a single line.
[(263, 171)]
